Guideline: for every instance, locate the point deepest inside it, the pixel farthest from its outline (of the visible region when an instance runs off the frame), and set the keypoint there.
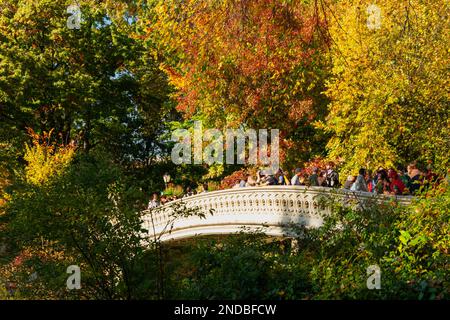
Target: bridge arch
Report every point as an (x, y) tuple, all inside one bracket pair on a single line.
[(269, 209)]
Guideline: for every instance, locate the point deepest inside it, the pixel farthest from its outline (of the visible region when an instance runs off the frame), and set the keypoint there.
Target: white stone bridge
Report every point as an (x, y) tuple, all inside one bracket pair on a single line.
[(270, 209)]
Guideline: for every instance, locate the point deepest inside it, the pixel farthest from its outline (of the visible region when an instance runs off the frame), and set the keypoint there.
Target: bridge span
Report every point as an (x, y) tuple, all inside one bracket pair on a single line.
[(270, 209)]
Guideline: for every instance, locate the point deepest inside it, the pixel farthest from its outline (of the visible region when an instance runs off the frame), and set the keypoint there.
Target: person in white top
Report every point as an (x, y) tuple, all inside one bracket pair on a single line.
[(153, 203), (295, 181), (360, 183)]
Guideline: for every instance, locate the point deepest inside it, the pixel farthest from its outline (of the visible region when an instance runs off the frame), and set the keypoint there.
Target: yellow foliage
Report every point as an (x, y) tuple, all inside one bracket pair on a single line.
[(389, 89), (45, 158), (174, 191)]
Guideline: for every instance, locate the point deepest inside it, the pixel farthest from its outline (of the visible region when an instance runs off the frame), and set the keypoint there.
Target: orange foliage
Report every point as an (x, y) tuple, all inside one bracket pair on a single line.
[(243, 62)]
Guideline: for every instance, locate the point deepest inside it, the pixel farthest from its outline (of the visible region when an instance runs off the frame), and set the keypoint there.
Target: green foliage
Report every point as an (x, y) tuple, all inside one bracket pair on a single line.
[(90, 214), (97, 85), (244, 267), (409, 244), (422, 257)]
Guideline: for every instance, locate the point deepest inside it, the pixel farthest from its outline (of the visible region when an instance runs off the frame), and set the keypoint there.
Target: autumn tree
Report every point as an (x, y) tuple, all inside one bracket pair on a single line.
[(257, 64), (98, 91), (389, 87), (94, 84)]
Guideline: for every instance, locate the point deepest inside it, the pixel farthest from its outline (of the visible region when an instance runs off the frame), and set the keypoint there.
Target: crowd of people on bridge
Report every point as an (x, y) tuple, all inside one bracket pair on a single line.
[(383, 181)]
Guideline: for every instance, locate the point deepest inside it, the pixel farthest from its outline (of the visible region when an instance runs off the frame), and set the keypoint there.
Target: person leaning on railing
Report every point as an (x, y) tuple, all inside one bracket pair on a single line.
[(332, 177), (251, 182), (153, 203), (360, 183)]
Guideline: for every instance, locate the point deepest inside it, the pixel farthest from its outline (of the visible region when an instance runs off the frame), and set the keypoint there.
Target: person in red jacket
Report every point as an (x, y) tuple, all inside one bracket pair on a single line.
[(397, 185)]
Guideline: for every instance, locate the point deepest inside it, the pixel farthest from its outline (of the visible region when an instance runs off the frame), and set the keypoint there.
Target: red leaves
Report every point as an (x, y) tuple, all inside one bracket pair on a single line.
[(246, 53), (231, 180), (18, 261)]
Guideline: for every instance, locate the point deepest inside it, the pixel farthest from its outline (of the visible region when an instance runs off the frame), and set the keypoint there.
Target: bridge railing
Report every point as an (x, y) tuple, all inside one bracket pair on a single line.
[(271, 207)]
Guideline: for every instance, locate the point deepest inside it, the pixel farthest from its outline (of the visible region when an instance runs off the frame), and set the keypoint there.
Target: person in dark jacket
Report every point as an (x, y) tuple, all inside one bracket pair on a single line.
[(314, 178), (415, 177), (332, 176)]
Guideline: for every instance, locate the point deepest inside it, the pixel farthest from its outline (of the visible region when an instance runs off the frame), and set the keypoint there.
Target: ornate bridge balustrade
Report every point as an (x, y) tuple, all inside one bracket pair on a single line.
[(272, 208)]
